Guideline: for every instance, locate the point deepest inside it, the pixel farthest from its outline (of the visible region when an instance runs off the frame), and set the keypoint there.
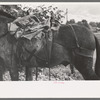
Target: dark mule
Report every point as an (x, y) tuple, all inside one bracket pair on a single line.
[(7, 48), (71, 44), (25, 56)]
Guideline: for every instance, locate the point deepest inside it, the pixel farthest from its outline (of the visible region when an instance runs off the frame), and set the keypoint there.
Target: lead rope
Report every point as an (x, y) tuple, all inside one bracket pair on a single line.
[(48, 60), (11, 56), (50, 53)]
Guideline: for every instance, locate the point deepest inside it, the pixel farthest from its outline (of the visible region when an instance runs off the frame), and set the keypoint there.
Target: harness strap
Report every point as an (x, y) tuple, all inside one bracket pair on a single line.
[(77, 43), (84, 52), (31, 55), (80, 50)]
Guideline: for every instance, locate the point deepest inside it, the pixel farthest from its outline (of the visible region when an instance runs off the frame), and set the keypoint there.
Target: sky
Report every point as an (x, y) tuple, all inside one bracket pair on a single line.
[(77, 10)]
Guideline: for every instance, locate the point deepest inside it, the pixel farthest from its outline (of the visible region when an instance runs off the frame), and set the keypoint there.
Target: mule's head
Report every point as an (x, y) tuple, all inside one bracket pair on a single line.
[(4, 19)]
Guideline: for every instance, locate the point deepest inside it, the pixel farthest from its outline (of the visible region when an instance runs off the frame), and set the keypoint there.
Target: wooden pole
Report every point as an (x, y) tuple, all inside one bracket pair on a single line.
[(66, 15)]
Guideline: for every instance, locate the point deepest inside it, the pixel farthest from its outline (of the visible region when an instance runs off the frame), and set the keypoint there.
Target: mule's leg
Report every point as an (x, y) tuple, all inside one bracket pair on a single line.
[(1, 73), (84, 66), (97, 68), (36, 73), (72, 68), (14, 70), (14, 74), (2, 68), (29, 76)]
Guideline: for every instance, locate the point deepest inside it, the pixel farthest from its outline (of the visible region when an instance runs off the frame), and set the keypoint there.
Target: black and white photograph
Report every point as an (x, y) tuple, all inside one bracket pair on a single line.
[(49, 41)]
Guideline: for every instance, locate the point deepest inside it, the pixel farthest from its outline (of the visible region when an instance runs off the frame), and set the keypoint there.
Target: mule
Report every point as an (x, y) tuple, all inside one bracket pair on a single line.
[(71, 44), (7, 47)]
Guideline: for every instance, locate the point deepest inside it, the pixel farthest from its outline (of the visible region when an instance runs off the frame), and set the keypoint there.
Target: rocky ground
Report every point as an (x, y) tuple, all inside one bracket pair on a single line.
[(58, 73)]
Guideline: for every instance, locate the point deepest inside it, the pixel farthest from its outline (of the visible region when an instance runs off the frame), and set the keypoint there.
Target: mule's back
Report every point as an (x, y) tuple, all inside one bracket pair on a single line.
[(84, 36)]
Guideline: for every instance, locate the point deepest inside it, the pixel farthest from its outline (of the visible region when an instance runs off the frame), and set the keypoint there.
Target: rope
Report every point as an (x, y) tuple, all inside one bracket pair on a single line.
[(48, 59), (51, 49)]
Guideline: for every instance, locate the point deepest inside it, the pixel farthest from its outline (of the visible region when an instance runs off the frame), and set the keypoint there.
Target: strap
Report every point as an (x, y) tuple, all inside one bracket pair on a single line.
[(77, 43), (80, 50), (84, 52)]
